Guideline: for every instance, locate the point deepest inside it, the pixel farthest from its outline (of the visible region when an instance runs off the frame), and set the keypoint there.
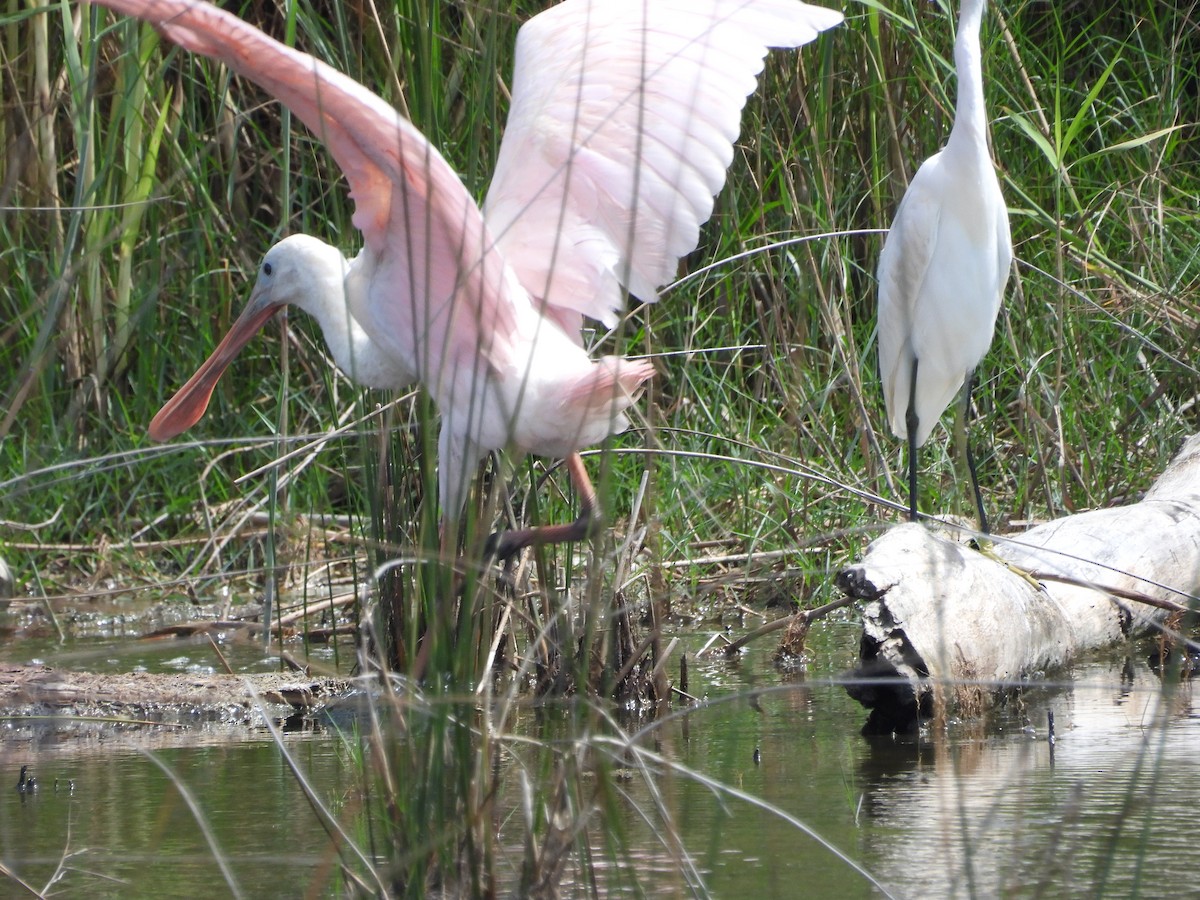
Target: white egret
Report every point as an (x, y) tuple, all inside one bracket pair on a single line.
[(943, 269)]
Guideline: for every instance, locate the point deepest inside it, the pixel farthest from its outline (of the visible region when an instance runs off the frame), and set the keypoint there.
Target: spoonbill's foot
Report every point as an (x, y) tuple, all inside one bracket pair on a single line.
[(503, 545)]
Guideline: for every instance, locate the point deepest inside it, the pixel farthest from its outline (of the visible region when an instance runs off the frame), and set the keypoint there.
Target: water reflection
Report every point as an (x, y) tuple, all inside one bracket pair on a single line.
[(976, 809), (987, 814), (126, 831)]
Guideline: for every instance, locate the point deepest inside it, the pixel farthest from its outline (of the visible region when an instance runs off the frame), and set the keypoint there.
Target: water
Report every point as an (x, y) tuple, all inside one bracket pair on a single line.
[(979, 811), (126, 831)]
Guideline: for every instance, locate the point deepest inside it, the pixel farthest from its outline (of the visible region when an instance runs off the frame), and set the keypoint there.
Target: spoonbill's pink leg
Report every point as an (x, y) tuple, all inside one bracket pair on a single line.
[(504, 544)]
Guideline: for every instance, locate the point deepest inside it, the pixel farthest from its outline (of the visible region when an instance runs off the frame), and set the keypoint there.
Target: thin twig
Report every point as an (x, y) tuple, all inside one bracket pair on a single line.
[(1123, 593), (807, 615)]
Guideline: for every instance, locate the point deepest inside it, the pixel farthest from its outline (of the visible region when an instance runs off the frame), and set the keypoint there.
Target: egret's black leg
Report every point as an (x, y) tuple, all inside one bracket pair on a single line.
[(983, 522), (910, 422)]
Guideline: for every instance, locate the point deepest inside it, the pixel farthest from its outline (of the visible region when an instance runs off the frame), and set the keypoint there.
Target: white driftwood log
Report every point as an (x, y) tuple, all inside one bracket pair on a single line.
[(941, 619)]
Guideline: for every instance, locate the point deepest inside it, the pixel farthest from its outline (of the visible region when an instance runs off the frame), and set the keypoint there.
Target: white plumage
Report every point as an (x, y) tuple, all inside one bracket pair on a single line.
[(944, 265)]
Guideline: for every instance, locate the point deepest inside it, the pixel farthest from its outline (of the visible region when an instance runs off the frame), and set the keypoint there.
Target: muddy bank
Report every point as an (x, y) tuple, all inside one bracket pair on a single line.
[(63, 699)]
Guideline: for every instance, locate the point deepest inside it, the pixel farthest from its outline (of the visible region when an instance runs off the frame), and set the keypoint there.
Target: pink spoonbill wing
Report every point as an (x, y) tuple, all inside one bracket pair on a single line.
[(616, 144), (435, 268)]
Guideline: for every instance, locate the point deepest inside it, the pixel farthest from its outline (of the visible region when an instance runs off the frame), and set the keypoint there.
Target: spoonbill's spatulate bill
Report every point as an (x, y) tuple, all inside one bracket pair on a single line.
[(623, 118), (943, 269)]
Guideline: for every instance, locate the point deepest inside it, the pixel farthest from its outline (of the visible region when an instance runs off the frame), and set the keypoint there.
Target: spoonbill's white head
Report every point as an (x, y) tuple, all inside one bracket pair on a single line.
[(301, 270)]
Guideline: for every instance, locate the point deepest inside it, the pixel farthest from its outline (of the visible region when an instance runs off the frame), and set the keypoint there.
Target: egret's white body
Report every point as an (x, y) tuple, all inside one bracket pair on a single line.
[(945, 263), (623, 118)]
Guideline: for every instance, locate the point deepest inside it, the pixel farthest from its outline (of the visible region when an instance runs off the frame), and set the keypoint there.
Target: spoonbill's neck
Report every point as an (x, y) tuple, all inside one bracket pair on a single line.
[(327, 292), (970, 115)]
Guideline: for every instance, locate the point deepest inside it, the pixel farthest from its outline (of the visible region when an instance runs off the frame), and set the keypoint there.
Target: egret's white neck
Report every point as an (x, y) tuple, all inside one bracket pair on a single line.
[(970, 115)]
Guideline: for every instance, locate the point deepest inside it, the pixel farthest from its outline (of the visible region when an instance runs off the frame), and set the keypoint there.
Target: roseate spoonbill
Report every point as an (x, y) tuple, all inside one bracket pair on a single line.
[(620, 131), (943, 270)]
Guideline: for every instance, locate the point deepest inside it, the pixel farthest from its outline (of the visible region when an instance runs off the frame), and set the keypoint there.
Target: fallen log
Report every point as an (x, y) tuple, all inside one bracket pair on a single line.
[(947, 626)]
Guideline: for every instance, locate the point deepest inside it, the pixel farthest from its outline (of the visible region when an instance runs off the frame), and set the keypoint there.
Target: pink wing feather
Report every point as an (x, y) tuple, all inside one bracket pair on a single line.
[(622, 125), (439, 287)]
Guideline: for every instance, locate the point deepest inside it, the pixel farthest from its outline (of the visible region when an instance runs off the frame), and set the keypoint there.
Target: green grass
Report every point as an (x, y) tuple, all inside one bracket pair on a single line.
[(140, 185), (113, 301)]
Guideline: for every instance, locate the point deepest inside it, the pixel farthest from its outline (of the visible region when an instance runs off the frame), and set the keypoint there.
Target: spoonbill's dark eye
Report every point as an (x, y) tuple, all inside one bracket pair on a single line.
[(267, 269)]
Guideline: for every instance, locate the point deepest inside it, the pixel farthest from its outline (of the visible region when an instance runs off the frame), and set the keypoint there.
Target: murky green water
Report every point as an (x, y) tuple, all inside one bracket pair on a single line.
[(983, 812)]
